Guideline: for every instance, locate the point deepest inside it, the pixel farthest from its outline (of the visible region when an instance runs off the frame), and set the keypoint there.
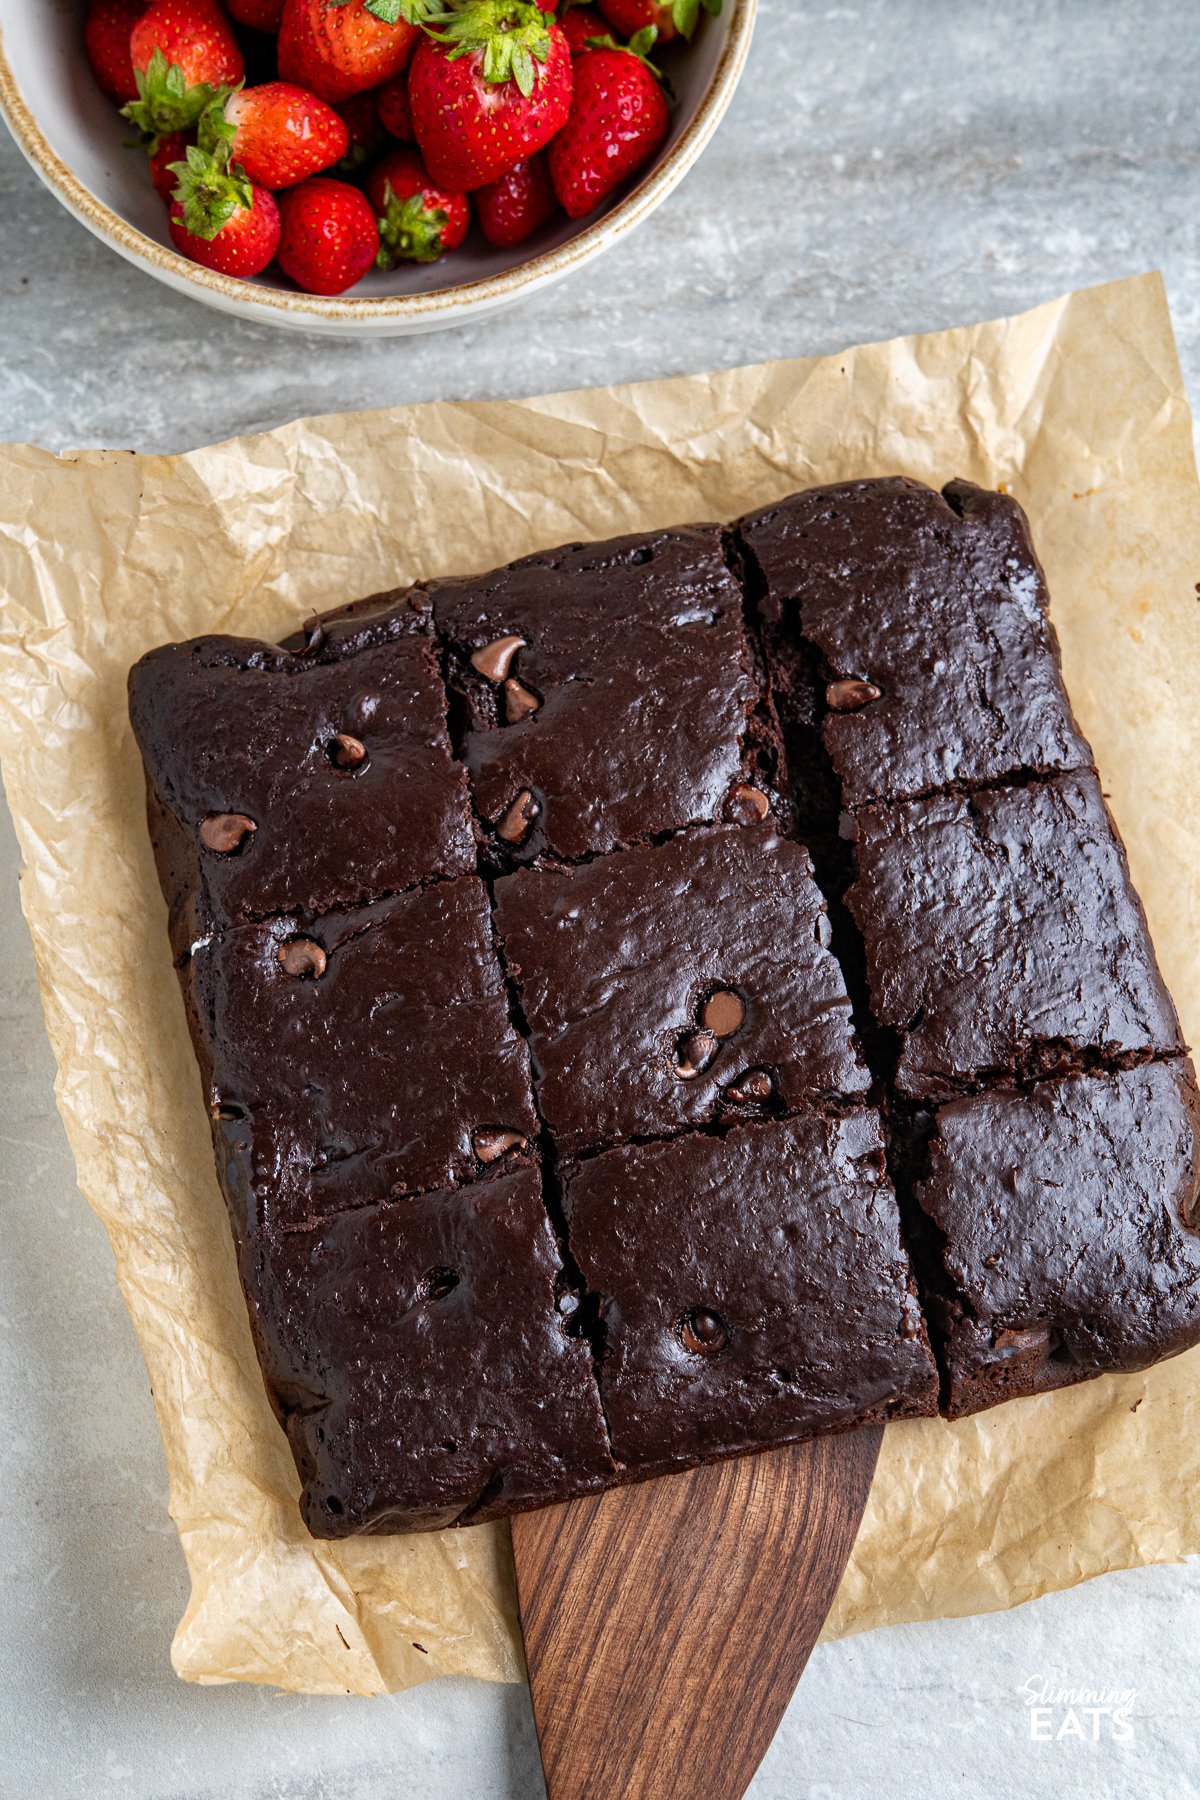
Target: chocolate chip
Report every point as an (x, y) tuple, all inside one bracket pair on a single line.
[(494, 660), (346, 751), (519, 702), (517, 822), (490, 1145), (703, 1333), (750, 1088), (850, 696), (746, 805), (224, 832), (694, 1053), (723, 1013), (439, 1282), (302, 958)]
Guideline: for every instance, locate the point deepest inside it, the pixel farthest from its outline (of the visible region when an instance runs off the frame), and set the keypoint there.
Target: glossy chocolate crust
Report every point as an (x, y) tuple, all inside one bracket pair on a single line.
[(619, 963), (626, 983), (939, 602), (1065, 1222), (752, 1287), (1004, 938)]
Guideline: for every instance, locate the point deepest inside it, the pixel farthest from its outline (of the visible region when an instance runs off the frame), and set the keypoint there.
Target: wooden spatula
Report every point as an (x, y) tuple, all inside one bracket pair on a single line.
[(666, 1625)]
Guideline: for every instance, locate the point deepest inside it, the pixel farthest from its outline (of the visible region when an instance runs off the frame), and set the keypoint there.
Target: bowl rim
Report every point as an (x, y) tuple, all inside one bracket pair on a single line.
[(438, 303)]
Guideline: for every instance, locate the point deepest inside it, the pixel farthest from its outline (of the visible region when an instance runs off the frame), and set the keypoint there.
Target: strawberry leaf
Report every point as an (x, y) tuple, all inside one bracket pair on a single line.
[(165, 102), (409, 230), (685, 13), (509, 36), (413, 12), (209, 190)]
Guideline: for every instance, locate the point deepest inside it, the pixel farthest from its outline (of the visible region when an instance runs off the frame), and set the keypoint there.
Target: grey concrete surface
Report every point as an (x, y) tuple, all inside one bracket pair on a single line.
[(888, 166)]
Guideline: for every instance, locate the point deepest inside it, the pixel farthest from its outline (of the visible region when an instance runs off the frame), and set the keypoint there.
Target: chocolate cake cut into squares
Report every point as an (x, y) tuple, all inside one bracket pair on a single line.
[(653, 998)]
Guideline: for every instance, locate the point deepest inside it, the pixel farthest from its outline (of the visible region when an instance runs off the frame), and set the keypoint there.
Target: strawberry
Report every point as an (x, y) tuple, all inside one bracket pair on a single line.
[(221, 219), (170, 149), (260, 15), (278, 133), (418, 222), (360, 115), (340, 47), (670, 18), (511, 209), (106, 31), (182, 51), (488, 89), (395, 113), (579, 23), (618, 120), (330, 238)]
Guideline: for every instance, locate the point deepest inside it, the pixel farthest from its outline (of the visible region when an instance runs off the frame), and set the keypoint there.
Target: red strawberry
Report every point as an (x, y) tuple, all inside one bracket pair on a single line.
[(106, 32), (339, 47), (330, 238), (490, 88), (278, 133), (618, 120), (511, 209), (260, 15), (171, 149), (581, 23), (223, 220), (182, 50), (418, 222), (395, 113), (360, 115), (670, 18)]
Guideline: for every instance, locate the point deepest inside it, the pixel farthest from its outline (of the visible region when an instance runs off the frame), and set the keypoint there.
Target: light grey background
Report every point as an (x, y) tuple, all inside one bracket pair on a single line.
[(890, 166)]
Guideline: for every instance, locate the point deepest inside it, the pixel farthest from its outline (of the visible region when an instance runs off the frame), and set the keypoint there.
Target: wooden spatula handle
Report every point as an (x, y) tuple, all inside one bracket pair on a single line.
[(667, 1624)]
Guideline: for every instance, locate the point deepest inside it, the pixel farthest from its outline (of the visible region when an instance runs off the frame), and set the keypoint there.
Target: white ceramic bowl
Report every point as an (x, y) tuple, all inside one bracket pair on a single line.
[(74, 139)]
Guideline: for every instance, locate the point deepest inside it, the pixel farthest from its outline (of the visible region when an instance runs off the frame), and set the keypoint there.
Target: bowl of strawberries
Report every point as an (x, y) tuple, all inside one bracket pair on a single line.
[(366, 166)]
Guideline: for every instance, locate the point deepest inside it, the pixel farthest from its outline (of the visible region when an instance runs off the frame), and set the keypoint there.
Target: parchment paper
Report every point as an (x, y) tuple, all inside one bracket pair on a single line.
[(1078, 407)]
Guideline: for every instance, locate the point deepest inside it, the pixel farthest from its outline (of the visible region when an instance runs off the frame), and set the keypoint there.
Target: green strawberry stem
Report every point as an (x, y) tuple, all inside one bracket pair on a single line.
[(413, 12), (685, 13), (165, 102), (210, 190), (510, 36), (639, 45), (409, 230)]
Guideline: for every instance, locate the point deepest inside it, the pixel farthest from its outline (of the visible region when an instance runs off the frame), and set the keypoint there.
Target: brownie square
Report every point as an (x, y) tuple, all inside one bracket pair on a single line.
[(342, 768), (938, 602), (1066, 1218), (675, 984), (753, 1288), (575, 741), (1004, 937), (423, 1367), (362, 1055)]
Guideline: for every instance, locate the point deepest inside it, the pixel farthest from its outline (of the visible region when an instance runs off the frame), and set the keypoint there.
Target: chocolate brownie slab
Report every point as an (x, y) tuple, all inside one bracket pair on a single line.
[(1066, 1219), (575, 741), (1003, 936), (928, 612), (360, 1055), (284, 783), (677, 983), (422, 1364), (753, 1288)]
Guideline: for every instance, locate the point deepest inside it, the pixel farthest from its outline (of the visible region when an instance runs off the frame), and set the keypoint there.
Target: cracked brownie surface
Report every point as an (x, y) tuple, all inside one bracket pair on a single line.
[(653, 998)]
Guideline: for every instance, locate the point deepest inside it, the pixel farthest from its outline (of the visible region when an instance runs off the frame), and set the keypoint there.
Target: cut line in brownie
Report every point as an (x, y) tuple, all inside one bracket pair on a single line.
[(422, 1365), (753, 1288), (574, 743), (1066, 1224), (360, 1056), (282, 783), (677, 984), (938, 662), (1003, 936)]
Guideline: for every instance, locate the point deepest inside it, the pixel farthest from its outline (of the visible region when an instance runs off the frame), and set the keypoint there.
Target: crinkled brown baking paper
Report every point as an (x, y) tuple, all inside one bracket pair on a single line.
[(1077, 407)]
